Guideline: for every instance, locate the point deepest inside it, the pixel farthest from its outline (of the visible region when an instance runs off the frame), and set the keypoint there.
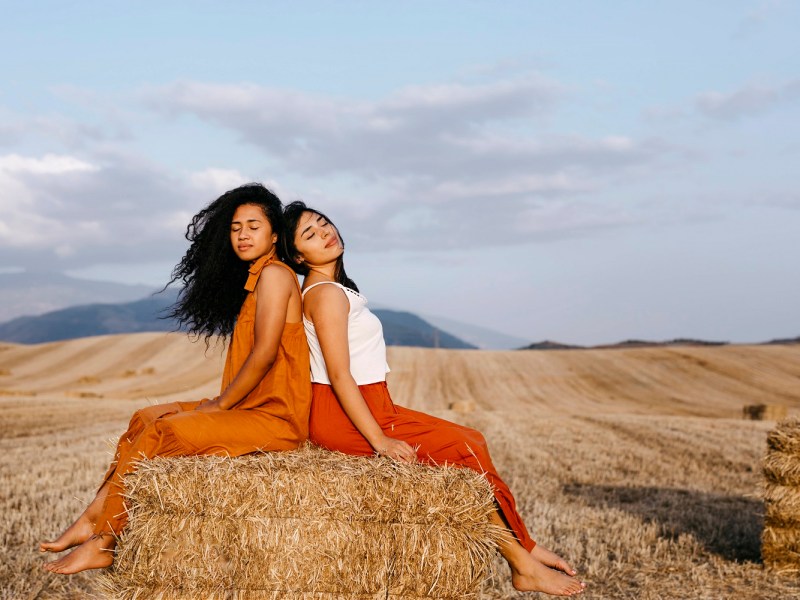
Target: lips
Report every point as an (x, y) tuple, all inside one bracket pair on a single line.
[(332, 243), (244, 248)]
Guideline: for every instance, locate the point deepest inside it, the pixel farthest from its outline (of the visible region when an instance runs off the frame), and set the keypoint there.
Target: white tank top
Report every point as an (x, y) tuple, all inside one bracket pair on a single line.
[(364, 336)]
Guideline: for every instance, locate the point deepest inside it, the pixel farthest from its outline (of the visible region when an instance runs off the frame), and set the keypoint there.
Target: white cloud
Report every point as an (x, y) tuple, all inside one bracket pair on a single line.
[(750, 99), (432, 151), (216, 181), (49, 164), (61, 211)]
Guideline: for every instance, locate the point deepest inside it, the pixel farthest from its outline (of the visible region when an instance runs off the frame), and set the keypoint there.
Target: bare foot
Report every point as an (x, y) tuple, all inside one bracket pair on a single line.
[(551, 559), (77, 533), (83, 527), (528, 574), (95, 553)]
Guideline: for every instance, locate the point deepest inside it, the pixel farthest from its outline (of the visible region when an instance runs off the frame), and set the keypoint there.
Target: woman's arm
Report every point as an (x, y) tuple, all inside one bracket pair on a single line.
[(274, 289), (328, 309)]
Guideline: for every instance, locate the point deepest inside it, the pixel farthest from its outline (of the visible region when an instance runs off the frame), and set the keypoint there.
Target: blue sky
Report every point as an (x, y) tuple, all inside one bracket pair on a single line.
[(579, 171)]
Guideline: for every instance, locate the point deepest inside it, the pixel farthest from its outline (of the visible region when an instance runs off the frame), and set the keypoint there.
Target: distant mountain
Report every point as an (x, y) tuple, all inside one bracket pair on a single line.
[(407, 329), (783, 341), (91, 319), (650, 344), (481, 337), (548, 345), (399, 328), (38, 293)]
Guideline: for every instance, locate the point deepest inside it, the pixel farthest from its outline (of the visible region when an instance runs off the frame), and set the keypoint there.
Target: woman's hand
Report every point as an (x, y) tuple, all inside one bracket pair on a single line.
[(396, 449), (209, 405)]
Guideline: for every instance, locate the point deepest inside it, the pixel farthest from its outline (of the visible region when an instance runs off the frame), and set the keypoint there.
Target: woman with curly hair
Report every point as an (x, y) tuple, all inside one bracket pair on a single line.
[(234, 287), (352, 412)]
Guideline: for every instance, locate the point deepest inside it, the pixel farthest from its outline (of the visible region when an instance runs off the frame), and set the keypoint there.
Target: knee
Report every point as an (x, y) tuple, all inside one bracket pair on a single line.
[(137, 422), (476, 438)]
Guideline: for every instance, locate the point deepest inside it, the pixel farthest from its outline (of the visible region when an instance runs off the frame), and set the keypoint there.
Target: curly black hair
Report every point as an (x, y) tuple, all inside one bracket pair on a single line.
[(213, 276), (288, 251)]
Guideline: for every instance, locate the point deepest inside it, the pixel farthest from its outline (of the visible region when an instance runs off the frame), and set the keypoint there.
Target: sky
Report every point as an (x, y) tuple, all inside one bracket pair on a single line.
[(576, 171)]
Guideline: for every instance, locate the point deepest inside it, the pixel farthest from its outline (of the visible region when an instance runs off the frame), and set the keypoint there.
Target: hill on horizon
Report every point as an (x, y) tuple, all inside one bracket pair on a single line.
[(36, 293), (552, 345), (400, 328)]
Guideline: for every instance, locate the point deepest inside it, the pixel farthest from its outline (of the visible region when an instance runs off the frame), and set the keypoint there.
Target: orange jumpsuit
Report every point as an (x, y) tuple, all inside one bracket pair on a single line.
[(273, 416), (440, 442)]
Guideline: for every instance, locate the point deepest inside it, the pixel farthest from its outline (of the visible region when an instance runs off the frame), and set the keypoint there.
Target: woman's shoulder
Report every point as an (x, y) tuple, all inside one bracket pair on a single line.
[(317, 289), (276, 276), (333, 296), (280, 269)]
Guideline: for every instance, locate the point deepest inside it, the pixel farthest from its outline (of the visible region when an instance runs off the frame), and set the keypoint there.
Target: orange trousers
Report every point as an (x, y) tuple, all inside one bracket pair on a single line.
[(176, 429), (439, 441)]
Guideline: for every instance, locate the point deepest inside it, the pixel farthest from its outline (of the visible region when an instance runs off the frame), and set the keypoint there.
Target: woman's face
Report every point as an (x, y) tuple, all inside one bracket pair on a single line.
[(317, 240), (251, 232)]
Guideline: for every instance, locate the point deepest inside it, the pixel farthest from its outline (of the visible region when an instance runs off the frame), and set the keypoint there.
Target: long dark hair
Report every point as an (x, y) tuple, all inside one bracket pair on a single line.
[(291, 216), (213, 276)]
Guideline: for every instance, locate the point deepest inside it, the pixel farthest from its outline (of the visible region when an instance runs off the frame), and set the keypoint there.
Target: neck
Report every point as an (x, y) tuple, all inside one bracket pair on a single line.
[(325, 271), (268, 255)]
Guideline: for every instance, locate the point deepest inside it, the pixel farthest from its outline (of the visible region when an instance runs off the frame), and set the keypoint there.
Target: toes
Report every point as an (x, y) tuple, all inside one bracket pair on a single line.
[(563, 566)]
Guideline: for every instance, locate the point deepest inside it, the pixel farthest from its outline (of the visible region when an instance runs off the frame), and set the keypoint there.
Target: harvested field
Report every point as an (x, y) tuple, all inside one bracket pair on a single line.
[(634, 463)]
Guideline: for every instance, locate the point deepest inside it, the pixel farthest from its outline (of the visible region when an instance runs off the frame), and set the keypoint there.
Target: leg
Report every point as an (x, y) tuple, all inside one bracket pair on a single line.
[(97, 551), (229, 432), (531, 574), (533, 568), (83, 527)]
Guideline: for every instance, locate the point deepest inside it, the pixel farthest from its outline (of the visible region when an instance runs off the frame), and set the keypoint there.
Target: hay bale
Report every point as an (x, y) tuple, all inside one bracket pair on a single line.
[(780, 548), (462, 406), (782, 468), (765, 412), (785, 438), (303, 524), (780, 540)]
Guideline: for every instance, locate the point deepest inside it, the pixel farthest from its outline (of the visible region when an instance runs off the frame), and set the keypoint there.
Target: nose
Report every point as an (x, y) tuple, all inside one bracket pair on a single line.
[(243, 234)]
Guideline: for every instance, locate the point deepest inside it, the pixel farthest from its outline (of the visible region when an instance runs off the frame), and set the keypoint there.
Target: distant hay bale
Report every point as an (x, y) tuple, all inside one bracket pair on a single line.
[(780, 540), (765, 412), (303, 524), (462, 406)]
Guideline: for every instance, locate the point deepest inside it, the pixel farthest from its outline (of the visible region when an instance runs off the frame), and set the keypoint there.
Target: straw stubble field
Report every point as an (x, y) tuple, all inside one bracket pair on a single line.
[(635, 463)]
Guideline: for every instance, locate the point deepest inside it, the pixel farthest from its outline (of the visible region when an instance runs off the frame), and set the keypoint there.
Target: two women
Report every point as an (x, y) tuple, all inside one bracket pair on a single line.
[(351, 409), (235, 287)]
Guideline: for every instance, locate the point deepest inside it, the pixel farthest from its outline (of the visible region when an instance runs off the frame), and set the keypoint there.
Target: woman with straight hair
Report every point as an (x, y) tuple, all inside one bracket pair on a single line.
[(236, 288), (351, 410)]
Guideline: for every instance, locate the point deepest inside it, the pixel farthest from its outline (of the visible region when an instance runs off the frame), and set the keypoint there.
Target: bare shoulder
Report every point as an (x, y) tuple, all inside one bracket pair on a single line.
[(275, 279), (327, 299)]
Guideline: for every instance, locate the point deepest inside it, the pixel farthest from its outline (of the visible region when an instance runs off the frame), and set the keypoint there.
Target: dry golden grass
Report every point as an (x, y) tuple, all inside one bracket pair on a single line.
[(635, 464)]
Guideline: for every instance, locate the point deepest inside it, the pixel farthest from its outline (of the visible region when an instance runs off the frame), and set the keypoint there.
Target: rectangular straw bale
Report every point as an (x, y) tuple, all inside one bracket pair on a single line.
[(782, 505), (780, 540), (303, 524), (781, 468), (785, 437), (765, 412), (780, 548)]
